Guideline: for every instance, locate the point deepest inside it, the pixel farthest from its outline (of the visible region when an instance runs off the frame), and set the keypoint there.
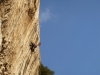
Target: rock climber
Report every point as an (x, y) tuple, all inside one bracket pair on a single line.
[(33, 46)]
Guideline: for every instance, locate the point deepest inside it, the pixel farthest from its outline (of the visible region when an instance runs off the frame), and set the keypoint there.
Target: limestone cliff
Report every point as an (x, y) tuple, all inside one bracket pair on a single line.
[(19, 21)]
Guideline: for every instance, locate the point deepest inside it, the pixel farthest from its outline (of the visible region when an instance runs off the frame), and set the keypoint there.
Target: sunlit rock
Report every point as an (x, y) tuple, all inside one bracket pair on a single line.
[(19, 26)]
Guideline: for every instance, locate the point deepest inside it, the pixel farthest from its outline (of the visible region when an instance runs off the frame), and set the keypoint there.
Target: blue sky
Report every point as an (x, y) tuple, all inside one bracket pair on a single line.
[(70, 36)]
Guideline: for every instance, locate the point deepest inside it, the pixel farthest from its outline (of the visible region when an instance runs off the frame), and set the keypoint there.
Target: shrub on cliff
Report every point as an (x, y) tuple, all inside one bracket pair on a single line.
[(44, 70)]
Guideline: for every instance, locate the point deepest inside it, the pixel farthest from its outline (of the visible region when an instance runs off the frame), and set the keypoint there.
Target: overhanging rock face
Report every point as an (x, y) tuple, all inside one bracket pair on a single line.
[(19, 21)]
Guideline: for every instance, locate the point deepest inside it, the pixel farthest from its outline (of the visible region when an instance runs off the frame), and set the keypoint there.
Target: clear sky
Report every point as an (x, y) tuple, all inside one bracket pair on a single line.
[(70, 36)]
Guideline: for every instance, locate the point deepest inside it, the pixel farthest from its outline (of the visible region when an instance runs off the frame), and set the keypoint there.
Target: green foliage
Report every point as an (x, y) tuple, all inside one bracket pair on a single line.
[(44, 70)]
